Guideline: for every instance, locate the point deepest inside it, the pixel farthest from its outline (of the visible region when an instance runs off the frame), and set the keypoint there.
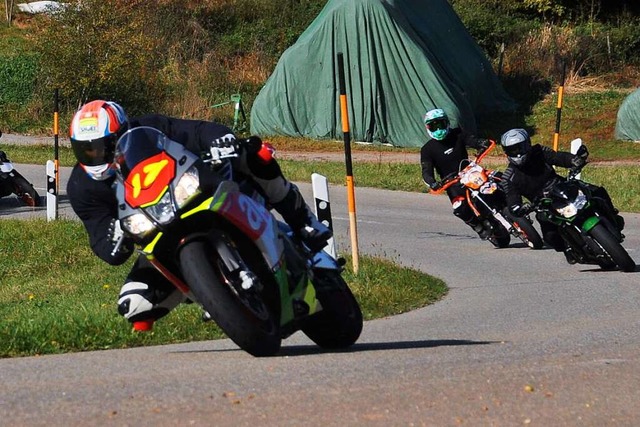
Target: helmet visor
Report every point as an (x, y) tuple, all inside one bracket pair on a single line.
[(437, 124), (516, 150), (96, 152)]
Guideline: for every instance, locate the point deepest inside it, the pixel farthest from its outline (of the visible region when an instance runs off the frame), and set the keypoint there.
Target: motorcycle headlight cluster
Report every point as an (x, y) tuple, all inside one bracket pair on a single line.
[(137, 224), (571, 209), (164, 211), (188, 186)]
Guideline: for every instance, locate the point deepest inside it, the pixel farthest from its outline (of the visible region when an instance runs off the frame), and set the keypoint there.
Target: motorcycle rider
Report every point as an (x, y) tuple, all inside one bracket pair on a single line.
[(146, 295), (444, 152), (530, 172)]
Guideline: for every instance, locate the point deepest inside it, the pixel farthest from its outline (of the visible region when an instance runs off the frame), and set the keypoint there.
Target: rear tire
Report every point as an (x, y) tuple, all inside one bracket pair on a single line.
[(500, 238), (614, 249), (243, 316), (339, 324), (25, 191)]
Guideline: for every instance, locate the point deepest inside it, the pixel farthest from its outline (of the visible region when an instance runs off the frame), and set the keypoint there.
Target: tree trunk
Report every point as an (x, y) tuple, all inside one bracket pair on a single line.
[(8, 9)]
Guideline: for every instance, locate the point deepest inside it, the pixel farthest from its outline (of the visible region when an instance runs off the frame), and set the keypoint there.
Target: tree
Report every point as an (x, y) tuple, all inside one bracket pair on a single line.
[(8, 9)]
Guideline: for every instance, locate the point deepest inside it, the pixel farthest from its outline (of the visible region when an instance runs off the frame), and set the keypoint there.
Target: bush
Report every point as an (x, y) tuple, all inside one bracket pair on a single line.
[(17, 77)]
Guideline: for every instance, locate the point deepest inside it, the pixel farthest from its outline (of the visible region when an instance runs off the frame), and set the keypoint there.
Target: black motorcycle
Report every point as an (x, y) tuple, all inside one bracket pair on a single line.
[(11, 182), (589, 226)]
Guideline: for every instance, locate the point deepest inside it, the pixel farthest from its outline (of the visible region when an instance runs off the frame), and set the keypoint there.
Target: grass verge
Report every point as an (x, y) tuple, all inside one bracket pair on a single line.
[(57, 297)]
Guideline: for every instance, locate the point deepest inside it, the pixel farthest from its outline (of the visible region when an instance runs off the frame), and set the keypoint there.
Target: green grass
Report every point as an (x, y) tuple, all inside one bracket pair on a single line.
[(57, 297)]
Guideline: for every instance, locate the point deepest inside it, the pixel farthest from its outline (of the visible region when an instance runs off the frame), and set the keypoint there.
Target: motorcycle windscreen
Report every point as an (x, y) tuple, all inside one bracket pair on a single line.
[(146, 168)]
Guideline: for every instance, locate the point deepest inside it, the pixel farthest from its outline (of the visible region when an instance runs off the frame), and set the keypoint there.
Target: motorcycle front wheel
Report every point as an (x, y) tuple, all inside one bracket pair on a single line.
[(613, 248), (339, 323), (528, 233), (24, 190), (242, 315)]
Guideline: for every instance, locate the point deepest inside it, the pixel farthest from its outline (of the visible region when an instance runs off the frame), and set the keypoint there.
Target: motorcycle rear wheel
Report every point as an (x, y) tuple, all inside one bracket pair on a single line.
[(243, 316), (614, 249), (500, 238), (25, 191), (339, 324)]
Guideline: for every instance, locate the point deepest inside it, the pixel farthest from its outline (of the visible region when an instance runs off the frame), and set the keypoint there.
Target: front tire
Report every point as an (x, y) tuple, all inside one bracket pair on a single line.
[(613, 248), (243, 316), (528, 233), (339, 324)]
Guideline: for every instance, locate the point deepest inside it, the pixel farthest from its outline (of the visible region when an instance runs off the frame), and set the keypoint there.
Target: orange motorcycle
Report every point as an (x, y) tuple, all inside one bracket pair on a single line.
[(488, 203)]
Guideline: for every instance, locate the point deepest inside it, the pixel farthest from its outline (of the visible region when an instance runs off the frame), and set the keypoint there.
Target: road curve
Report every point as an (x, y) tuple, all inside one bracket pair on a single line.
[(522, 338)]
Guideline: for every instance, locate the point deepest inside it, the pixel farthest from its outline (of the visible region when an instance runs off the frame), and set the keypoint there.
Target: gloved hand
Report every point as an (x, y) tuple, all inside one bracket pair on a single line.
[(521, 209), (223, 148), (117, 235), (580, 158), (435, 186)]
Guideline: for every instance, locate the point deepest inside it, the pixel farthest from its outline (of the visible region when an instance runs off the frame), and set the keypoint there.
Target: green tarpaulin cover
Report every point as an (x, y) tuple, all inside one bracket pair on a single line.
[(628, 121), (402, 58)]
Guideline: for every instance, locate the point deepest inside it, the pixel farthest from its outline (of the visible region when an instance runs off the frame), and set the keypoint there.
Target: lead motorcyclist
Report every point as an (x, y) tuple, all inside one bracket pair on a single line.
[(444, 152), (146, 295), (530, 173)]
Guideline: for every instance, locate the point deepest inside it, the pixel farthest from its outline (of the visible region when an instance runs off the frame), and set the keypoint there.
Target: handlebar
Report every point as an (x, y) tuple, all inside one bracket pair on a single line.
[(454, 177)]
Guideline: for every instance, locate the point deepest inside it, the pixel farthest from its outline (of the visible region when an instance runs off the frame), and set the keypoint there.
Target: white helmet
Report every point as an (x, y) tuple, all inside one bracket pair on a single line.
[(437, 124), (516, 145), (95, 129)]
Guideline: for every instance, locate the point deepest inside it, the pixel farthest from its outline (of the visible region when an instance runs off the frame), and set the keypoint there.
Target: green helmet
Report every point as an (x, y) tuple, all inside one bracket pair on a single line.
[(437, 124)]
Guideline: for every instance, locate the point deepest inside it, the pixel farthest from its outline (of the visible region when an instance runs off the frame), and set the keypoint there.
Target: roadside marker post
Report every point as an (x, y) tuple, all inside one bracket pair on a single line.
[(556, 135), (575, 145), (351, 198), (320, 186), (53, 168)]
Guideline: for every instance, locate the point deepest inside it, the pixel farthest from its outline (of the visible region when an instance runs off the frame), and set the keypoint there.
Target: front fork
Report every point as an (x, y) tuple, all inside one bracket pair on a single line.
[(475, 195)]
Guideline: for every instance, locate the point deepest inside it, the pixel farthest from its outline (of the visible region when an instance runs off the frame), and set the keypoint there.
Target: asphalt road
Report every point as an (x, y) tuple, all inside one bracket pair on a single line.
[(522, 338)]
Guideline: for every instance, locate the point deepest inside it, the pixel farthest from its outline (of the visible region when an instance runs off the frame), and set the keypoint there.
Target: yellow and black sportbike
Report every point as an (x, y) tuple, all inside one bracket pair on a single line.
[(216, 240)]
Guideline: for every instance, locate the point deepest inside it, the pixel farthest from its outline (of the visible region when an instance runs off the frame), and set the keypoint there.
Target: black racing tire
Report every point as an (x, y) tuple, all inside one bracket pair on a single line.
[(256, 330), (25, 191), (339, 324), (614, 249), (528, 233)]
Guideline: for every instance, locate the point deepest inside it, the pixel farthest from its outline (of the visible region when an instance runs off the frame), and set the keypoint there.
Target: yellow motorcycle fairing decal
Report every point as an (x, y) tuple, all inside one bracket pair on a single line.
[(204, 206)]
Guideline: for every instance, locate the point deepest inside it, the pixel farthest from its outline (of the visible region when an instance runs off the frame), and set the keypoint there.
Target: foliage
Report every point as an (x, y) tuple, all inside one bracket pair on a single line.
[(105, 55)]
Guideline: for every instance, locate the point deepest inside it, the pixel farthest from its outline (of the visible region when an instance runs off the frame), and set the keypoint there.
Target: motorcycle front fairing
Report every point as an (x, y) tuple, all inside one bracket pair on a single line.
[(163, 204)]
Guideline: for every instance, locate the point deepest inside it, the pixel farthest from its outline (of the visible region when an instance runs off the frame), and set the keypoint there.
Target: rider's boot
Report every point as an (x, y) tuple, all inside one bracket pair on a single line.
[(479, 228), (302, 221)]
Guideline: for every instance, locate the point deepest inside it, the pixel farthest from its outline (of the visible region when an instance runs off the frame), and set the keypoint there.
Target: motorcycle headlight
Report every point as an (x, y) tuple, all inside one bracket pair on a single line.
[(568, 210), (162, 211), (137, 224), (188, 186), (581, 200), (571, 209)]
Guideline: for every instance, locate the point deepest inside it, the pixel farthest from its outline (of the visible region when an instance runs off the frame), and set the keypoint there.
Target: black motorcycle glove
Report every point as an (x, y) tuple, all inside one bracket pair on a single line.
[(580, 158), (521, 209)]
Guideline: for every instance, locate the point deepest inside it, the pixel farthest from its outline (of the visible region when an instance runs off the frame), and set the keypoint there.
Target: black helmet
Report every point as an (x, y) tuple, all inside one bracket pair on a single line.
[(516, 145)]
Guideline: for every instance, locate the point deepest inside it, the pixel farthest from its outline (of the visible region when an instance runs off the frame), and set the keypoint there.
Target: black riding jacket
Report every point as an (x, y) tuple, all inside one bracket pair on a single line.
[(445, 156), (95, 202), (531, 178)]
